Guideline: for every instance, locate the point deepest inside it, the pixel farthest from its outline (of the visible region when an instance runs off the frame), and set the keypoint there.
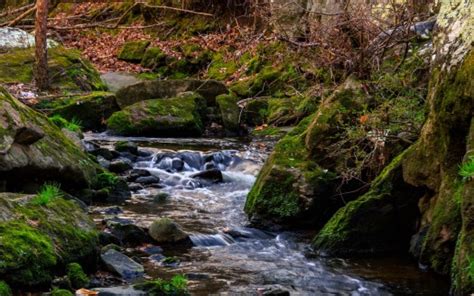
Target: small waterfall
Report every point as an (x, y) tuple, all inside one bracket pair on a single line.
[(211, 240)]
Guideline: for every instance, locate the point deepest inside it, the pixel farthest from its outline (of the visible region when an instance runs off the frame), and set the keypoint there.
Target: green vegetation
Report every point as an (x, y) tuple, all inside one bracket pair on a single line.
[(46, 194), (466, 170), (133, 51), (61, 292), (176, 286), (76, 276), (105, 180), (5, 289), (74, 125)]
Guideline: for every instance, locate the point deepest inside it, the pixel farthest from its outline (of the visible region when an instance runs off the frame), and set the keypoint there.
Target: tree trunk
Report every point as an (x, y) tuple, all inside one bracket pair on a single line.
[(41, 49)]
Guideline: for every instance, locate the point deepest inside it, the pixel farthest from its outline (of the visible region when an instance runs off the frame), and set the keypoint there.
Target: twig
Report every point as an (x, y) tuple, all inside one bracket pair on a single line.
[(15, 11), (21, 16), (178, 9)]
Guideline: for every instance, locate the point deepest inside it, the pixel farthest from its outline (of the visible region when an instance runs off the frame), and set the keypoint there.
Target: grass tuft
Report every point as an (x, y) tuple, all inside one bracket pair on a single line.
[(46, 194)]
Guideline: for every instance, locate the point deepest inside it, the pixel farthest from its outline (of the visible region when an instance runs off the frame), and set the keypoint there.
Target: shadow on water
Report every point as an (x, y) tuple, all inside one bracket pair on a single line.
[(228, 256)]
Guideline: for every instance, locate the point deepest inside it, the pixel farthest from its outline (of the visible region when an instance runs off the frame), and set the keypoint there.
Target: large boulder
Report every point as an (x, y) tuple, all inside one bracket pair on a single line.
[(67, 69), (160, 89), (176, 117), (14, 38), (33, 150), (230, 112), (91, 111), (37, 239), (117, 80)]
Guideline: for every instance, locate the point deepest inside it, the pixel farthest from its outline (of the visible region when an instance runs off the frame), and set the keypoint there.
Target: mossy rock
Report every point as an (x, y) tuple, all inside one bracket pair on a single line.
[(5, 289), (255, 112), (153, 58), (91, 110), (230, 113), (36, 239), (380, 221), (76, 276), (176, 117), (68, 71), (220, 68), (291, 189), (133, 51), (161, 89), (48, 156)]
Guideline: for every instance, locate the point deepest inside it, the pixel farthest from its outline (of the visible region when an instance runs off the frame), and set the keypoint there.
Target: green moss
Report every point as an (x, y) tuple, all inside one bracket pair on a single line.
[(466, 170), (61, 292), (133, 51), (67, 70), (76, 276), (176, 286), (229, 111), (255, 112), (27, 255), (162, 117), (105, 180), (221, 68), (74, 125), (5, 289), (153, 58)]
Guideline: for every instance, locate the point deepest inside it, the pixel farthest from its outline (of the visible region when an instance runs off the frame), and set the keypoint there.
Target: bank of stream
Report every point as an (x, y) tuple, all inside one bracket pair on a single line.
[(229, 256)]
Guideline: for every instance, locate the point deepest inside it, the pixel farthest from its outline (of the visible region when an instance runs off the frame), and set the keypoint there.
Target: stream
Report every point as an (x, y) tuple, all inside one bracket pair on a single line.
[(230, 257)]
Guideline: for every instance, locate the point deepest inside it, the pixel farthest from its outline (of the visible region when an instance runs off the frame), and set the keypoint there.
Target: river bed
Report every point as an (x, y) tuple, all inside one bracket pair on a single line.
[(230, 257)]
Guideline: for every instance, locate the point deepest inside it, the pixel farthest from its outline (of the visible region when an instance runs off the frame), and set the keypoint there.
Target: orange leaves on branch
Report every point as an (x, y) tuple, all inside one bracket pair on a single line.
[(363, 119)]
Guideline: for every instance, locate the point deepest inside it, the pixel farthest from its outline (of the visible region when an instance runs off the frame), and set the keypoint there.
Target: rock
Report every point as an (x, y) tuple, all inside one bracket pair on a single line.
[(214, 176), (191, 158), (133, 51), (136, 173), (105, 153), (161, 197), (31, 254), (230, 113), (16, 65), (165, 230), (14, 38), (129, 147), (120, 291), (103, 162), (116, 80), (147, 180), (273, 290), (176, 117), (106, 238), (90, 110), (75, 137), (177, 164), (28, 135), (135, 187), (148, 90), (122, 265), (51, 157), (120, 165), (129, 234)]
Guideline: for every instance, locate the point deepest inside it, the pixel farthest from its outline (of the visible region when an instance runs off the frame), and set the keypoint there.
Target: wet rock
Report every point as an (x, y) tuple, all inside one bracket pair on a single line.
[(113, 210), (123, 146), (177, 164), (170, 262), (137, 173), (209, 166), (144, 153), (120, 165), (105, 153), (148, 180), (151, 250), (122, 264), (192, 159), (120, 291), (28, 135), (214, 176), (103, 162), (129, 234), (107, 238), (165, 230), (135, 187), (274, 290)]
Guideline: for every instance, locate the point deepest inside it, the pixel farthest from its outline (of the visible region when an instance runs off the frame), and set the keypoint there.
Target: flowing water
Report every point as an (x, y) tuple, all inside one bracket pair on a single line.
[(228, 256)]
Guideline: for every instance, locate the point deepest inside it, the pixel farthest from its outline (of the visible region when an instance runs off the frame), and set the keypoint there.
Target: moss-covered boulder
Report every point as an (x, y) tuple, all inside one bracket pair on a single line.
[(176, 117), (153, 58), (91, 111), (37, 240), (67, 69), (255, 112), (33, 150), (133, 51), (160, 89), (291, 189), (382, 220), (230, 113)]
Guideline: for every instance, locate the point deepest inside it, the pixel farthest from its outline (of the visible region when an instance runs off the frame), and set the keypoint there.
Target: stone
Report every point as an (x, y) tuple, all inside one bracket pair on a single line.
[(230, 112), (120, 165), (122, 264), (14, 38), (176, 117), (129, 147), (165, 230), (115, 81), (120, 291), (49, 155), (31, 254), (154, 89), (133, 51), (148, 180), (213, 176)]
